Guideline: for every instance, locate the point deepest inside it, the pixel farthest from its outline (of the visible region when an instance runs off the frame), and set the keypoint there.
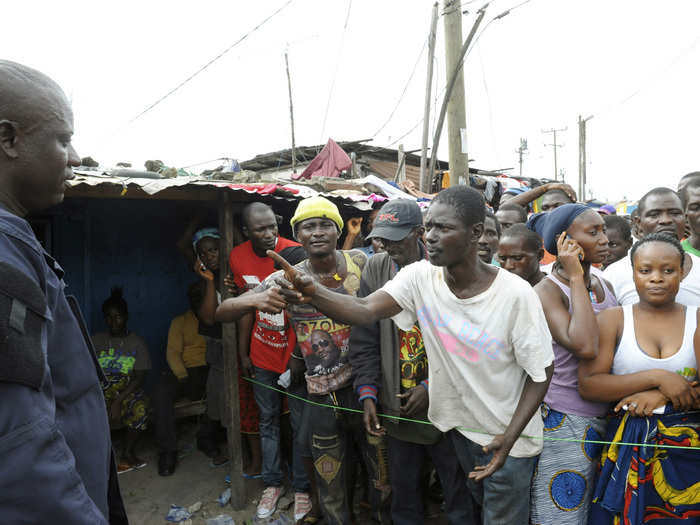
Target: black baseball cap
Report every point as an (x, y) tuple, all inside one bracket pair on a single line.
[(396, 219)]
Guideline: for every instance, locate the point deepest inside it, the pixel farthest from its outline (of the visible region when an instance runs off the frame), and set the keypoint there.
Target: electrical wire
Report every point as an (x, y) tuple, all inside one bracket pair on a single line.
[(205, 66), (335, 73), (403, 92)]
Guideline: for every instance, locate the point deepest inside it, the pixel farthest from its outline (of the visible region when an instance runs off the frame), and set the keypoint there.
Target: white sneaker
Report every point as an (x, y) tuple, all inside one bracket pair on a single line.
[(268, 501), (302, 505)]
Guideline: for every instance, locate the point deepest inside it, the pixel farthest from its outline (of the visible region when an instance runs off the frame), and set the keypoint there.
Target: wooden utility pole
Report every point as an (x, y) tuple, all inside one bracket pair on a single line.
[(426, 178), (520, 151), (554, 147), (401, 166), (456, 110), (453, 74), (230, 349), (582, 157), (291, 114)]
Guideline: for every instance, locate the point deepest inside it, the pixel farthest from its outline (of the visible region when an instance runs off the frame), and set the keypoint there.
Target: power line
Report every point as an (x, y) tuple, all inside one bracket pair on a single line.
[(403, 93), (335, 73), (205, 66)]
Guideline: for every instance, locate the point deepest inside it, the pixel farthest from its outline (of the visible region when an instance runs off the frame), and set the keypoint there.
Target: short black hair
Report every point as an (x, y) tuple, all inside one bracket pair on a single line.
[(532, 240), (661, 190), (467, 202), (658, 237), (253, 207), (116, 301), (683, 194), (520, 210), (488, 213), (615, 222)]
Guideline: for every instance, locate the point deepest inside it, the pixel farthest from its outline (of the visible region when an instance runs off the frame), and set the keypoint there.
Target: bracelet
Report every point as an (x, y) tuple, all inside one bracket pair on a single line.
[(296, 356)]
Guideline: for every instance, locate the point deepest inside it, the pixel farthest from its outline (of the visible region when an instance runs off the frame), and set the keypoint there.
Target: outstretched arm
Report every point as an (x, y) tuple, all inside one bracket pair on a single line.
[(525, 198), (300, 288)]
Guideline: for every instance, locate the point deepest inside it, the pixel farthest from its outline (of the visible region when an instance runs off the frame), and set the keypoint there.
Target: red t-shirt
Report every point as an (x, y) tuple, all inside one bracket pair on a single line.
[(272, 338)]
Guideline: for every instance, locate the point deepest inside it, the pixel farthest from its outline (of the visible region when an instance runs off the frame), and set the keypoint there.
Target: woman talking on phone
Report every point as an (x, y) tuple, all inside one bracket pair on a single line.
[(571, 297), (647, 364)]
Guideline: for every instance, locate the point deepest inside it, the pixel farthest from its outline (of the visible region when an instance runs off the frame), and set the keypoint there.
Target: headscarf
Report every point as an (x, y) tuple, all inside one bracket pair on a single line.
[(201, 234), (550, 225)]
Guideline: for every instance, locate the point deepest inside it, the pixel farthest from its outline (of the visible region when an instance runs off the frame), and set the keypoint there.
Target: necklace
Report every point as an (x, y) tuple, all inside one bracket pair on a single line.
[(589, 285)]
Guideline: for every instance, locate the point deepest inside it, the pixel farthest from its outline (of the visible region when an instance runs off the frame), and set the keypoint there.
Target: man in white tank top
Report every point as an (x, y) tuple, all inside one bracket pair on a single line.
[(660, 211)]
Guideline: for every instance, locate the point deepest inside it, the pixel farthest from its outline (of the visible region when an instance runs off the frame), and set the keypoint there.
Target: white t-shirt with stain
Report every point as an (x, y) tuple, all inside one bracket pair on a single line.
[(480, 351)]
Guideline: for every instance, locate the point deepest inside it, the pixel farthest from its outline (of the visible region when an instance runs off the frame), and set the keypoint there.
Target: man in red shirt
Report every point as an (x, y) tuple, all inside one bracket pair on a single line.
[(266, 342)]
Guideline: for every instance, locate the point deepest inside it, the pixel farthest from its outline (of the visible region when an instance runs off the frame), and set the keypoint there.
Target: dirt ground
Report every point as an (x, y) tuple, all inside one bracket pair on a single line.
[(148, 496)]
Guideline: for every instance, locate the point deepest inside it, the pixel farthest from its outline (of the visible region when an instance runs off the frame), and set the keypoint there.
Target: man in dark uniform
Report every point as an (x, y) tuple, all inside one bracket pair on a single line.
[(54, 432)]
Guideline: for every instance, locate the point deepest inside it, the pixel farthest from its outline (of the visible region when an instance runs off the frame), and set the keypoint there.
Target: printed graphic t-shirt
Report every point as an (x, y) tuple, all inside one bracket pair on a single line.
[(121, 355), (324, 343), (272, 338), (480, 350)]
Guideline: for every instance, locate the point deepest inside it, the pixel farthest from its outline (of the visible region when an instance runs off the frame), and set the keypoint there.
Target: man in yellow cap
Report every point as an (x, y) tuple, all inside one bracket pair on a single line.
[(317, 225)]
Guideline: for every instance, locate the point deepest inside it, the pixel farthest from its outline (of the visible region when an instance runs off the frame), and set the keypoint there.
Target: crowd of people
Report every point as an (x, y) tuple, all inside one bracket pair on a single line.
[(543, 365)]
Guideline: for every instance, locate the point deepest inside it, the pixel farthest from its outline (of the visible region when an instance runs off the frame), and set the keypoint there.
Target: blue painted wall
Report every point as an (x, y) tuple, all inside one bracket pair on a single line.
[(103, 243)]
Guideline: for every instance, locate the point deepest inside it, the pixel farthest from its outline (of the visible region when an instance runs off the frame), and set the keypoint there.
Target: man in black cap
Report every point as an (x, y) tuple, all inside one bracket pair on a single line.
[(390, 367)]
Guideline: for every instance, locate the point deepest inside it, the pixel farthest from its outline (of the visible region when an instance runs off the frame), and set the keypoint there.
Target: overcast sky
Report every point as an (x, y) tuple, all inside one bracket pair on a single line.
[(632, 64)]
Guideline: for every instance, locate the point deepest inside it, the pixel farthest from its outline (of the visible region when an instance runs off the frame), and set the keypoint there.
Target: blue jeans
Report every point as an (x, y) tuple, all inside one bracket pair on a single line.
[(505, 495), (270, 405)]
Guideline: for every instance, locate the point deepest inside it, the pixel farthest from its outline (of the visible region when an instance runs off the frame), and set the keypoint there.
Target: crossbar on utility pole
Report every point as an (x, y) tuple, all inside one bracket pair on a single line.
[(554, 147), (426, 178)]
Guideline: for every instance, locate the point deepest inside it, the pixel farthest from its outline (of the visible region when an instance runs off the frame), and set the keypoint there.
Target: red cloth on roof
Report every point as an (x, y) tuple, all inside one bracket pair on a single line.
[(262, 189), (330, 161)]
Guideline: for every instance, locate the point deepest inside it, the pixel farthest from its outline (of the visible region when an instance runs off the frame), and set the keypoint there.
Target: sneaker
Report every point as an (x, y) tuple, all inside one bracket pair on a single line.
[(268, 501), (302, 505)]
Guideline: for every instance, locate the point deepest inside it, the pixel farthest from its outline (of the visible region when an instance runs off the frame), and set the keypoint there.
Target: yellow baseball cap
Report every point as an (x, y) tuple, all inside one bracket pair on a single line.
[(314, 207)]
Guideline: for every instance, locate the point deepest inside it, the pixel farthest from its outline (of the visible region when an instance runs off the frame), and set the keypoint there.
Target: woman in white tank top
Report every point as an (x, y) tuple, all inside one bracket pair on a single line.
[(647, 364)]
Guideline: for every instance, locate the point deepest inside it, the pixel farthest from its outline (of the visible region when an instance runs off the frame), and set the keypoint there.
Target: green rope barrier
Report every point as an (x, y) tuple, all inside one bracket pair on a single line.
[(399, 418)]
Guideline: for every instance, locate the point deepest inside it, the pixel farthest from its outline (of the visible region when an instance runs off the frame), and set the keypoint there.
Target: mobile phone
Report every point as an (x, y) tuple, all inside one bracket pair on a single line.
[(201, 264)]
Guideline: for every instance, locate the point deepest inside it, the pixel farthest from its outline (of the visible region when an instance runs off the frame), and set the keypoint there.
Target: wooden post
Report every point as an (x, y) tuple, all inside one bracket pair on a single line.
[(230, 343), (457, 71), (456, 110), (401, 166), (426, 179), (291, 115), (582, 157)]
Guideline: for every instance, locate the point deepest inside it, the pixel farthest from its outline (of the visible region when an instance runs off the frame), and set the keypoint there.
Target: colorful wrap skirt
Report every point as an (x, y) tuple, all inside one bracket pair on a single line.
[(562, 486), (654, 485), (134, 407)]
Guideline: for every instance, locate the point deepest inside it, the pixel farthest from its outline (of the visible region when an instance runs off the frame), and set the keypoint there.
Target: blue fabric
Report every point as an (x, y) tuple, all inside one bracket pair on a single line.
[(270, 405), (201, 234), (54, 441), (550, 225), (661, 492)]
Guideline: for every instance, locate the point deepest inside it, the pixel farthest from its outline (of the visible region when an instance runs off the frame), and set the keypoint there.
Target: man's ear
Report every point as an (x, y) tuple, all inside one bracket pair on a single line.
[(244, 230), (477, 231), (8, 138), (540, 254)]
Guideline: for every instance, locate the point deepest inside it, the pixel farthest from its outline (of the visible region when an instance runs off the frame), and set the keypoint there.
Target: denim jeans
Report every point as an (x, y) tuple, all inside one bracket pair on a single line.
[(505, 495), (270, 405), (406, 460), (338, 440)]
